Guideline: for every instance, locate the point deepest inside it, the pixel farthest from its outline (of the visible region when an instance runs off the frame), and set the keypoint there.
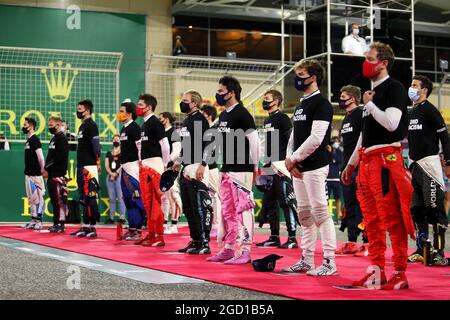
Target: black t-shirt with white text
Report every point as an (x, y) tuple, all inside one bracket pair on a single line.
[(128, 137), (234, 125), (191, 133), (151, 133), (426, 128), (210, 139), (388, 94), (277, 120), (350, 132), (32, 167), (86, 155), (57, 156), (314, 108)]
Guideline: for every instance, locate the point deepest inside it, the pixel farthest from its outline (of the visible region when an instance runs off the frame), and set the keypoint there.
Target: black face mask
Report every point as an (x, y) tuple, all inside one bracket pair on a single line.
[(343, 103), (25, 130), (80, 114), (267, 105), (184, 107), (116, 144), (52, 130)]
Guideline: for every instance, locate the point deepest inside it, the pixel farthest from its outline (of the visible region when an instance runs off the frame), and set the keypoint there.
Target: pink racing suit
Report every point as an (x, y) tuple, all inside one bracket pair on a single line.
[(237, 223)]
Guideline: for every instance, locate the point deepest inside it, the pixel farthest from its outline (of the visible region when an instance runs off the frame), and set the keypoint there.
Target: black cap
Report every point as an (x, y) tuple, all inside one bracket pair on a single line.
[(167, 179), (264, 182), (266, 264)]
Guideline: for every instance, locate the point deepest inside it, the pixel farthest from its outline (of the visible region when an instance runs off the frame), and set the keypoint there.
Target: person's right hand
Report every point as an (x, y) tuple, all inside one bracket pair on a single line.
[(347, 174), (44, 174), (296, 173)]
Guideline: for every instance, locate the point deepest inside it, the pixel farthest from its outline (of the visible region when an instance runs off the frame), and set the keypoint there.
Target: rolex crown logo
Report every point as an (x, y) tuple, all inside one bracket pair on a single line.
[(72, 184), (58, 87)]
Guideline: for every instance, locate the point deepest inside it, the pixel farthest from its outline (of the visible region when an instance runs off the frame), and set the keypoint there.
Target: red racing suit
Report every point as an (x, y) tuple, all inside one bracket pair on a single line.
[(151, 197), (385, 194)]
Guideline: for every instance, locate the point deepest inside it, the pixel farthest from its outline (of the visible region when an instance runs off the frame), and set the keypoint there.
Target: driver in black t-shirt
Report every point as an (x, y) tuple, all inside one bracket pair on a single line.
[(277, 130), (88, 169), (308, 162), (34, 183)]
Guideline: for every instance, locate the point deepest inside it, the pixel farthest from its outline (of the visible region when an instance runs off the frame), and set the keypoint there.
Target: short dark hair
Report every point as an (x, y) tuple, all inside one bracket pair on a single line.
[(31, 122), (149, 100), (130, 107), (87, 104), (168, 116), (210, 111), (313, 67), (425, 82), (276, 95), (232, 84)]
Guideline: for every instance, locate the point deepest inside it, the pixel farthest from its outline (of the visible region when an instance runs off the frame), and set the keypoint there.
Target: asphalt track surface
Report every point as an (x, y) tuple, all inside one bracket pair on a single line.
[(25, 275)]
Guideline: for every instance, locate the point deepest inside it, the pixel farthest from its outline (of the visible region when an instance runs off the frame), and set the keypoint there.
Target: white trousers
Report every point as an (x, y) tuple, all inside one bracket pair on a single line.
[(314, 213), (35, 188)]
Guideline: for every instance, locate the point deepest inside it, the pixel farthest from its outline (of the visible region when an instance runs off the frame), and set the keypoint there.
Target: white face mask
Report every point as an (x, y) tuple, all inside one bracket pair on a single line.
[(355, 32), (63, 129), (413, 94)]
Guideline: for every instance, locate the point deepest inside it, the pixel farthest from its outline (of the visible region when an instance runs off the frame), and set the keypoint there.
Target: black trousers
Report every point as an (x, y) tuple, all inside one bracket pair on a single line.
[(428, 208), (280, 195), (197, 207), (353, 214)]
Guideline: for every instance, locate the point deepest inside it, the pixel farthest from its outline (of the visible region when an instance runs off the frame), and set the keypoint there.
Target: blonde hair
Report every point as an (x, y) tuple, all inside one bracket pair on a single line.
[(195, 97), (55, 119)]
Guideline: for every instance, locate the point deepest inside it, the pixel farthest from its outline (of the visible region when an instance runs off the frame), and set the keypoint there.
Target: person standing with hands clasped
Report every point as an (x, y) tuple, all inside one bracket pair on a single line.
[(112, 166), (308, 162)]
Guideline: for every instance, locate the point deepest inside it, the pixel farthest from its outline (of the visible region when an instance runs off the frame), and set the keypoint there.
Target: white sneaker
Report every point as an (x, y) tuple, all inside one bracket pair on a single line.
[(328, 268), (29, 225), (37, 225), (300, 267), (173, 229), (167, 229)]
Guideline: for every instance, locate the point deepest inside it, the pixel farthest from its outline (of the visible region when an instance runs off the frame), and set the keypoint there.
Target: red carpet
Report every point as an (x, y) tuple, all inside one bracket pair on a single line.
[(425, 282)]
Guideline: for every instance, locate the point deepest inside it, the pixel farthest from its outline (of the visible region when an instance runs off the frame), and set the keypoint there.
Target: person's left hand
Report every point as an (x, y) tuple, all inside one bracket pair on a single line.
[(447, 171), (296, 173), (44, 174), (99, 168), (199, 175)]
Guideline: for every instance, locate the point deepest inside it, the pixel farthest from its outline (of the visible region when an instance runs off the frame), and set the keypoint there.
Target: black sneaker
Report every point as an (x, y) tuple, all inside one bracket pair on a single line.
[(191, 245), (291, 243), (92, 233), (53, 228), (60, 228), (80, 233), (273, 241), (439, 259), (201, 249), (109, 221)]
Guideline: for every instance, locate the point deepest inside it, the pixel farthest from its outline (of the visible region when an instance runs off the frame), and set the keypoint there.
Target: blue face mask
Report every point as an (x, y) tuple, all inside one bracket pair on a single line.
[(300, 84), (413, 94), (220, 98)]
